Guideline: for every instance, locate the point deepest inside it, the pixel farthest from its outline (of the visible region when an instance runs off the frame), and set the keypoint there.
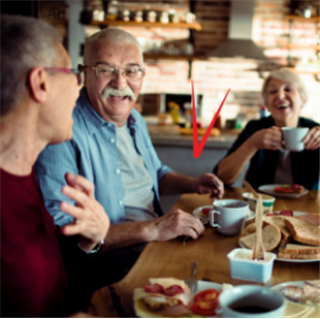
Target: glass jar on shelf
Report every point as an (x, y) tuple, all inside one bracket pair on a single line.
[(125, 15), (138, 16), (98, 15), (173, 16), (151, 16), (112, 11), (164, 17)]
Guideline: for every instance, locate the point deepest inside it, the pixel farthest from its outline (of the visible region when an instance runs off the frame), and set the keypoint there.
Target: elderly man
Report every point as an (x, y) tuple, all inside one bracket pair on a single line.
[(111, 147), (38, 94)]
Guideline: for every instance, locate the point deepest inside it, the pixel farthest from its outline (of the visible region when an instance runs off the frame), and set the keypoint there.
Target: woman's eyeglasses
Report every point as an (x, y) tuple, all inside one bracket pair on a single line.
[(76, 72)]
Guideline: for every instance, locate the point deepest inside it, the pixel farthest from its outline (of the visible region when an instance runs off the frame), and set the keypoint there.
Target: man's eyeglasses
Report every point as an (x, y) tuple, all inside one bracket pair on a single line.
[(76, 72), (132, 73)]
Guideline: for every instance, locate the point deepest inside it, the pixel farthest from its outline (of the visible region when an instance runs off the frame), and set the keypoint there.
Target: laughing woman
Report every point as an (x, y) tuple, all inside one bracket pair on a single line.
[(260, 143)]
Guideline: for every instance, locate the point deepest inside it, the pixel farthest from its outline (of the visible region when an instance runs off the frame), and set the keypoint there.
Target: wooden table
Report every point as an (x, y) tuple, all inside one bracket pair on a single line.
[(173, 259)]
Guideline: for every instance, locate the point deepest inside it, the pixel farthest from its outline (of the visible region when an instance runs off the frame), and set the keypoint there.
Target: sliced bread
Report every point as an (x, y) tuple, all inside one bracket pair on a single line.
[(271, 237), (278, 220), (295, 249), (299, 256), (303, 231), (250, 229)]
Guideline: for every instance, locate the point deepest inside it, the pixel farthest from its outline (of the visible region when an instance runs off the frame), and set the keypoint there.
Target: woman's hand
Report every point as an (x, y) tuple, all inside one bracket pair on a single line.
[(268, 139), (90, 220), (312, 139)]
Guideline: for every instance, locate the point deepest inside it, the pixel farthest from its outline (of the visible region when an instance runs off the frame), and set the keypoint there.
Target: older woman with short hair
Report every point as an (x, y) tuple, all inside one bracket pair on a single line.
[(260, 143), (38, 94)]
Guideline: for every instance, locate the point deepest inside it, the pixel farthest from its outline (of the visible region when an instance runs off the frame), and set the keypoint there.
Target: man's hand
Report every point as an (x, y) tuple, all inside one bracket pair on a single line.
[(175, 224), (90, 220), (312, 139), (209, 183)]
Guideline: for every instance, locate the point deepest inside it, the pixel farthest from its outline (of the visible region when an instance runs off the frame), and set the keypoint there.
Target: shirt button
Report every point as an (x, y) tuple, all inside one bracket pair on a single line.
[(120, 202), (112, 140), (118, 171)]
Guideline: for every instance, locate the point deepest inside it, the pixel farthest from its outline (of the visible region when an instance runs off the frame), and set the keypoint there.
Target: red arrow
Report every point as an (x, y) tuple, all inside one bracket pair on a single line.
[(197, 148)]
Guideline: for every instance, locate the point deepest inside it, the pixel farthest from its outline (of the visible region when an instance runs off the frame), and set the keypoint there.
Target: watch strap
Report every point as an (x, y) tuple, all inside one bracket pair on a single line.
[(95, 249)]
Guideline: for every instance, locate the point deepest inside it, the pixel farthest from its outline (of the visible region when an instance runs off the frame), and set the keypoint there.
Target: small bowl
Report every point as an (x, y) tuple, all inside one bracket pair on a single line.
[(243, 267), (251, 301), (267, 202)]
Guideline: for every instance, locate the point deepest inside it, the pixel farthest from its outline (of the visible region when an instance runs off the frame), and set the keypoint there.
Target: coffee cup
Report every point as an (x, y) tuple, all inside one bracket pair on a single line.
[(251, 301), (293, 137), (228, 215)]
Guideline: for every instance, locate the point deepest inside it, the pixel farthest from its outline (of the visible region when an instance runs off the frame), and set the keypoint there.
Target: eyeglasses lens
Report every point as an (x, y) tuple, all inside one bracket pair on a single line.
[(129, 73)]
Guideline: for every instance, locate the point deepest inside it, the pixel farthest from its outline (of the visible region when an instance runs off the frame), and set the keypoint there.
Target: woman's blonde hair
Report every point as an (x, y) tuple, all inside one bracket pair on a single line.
[(287, 75)]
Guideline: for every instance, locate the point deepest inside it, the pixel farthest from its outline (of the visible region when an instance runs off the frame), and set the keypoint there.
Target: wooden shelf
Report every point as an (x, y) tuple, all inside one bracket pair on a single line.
[(194, 26), (302, 19), (303, 46), (148, 56), (301, 71)]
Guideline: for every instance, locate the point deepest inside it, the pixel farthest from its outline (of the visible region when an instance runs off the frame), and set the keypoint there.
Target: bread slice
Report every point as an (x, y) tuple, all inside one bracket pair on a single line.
[(295, 249), (303, 231), (250, 229), (278, 220), (271, 237), (299, 256)]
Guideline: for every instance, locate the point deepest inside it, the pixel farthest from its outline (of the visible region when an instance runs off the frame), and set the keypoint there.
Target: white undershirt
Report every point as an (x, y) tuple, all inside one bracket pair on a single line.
[(136, 180)]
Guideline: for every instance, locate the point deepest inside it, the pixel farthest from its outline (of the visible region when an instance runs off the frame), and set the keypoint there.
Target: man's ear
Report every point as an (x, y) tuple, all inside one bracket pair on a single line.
[(38, 84), (81, 67)]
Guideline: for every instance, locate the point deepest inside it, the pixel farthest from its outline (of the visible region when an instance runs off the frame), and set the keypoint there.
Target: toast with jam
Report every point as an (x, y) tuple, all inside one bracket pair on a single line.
[(289, 189)]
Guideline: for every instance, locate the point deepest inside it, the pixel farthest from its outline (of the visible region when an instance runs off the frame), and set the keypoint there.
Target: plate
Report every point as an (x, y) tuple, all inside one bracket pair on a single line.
[(295, 213), (269, 189), (203, 285), (298, 284), (144, 312), (205, 219)]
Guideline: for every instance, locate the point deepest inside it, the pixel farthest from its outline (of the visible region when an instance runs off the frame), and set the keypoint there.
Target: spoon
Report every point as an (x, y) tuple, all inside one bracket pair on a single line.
[(192, 282)]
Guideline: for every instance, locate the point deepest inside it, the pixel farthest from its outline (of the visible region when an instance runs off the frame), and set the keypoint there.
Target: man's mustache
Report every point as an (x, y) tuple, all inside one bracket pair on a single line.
[(118, 92)]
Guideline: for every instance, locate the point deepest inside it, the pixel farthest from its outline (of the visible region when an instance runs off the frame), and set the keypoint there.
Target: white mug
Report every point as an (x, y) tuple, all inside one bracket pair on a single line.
[(251, 301), (293, 137), (230, 215)]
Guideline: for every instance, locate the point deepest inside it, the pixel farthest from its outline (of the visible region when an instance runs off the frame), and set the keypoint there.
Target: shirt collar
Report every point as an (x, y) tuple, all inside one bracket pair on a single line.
[(92, 119)]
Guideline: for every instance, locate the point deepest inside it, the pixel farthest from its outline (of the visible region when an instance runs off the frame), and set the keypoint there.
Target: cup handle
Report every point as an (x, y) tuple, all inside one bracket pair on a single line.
[(211, 218)]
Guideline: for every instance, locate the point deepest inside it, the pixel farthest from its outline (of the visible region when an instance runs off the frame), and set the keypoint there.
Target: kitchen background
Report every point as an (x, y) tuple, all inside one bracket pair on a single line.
[(286, 31), (181, 40)]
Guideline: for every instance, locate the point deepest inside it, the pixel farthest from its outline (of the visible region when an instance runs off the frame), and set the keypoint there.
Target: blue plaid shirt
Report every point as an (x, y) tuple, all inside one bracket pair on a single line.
[(92, 153)]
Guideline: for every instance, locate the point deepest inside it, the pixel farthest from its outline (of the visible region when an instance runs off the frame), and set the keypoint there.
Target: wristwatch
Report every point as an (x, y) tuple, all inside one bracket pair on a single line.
[(95, 249)]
